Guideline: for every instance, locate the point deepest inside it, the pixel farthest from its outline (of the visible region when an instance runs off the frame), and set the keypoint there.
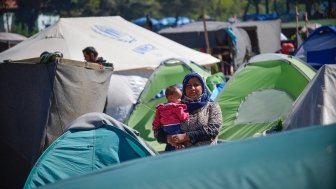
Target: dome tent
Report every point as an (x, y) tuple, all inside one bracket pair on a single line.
[(261, 93), (93, 141), (170, 72), (316, 105), (319, 48)]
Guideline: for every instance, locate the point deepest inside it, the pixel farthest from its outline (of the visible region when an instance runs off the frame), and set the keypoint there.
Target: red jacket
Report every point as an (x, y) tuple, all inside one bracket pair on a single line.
[(169, 113)]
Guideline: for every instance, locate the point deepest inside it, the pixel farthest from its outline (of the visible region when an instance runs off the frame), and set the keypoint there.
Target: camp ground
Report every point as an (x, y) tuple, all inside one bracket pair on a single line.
[(170, 72), (92, 141), (261, 93), (316, 104), (63, 88), (319, 48), (38, 101), (56, 91), (302, 158)]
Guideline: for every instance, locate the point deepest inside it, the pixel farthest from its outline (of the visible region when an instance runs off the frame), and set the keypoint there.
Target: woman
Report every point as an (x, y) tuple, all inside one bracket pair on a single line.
[(205, 117)]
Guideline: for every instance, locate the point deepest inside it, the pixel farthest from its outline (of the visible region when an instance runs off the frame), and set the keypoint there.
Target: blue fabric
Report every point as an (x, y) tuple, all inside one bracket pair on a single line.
[(172, 129), (169, 148), (219, 87), (325, 56), (200, 102), (232, 35)]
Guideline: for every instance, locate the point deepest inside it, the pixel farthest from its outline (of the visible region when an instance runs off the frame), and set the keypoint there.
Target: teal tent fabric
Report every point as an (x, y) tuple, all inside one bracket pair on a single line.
[(93, 141), (302, 158)]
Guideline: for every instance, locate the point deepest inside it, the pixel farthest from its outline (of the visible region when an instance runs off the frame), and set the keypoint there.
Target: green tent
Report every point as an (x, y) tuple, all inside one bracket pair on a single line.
[(170, 72), (302, 158), (93, 141), (261, 93)]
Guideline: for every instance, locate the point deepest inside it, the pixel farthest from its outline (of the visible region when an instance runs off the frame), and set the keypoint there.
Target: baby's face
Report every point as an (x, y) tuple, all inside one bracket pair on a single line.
[(175, 98)]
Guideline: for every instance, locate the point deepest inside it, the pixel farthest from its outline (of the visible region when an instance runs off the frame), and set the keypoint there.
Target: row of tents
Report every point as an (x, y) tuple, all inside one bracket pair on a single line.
[(42, 104), (105, 139), (287, 80)]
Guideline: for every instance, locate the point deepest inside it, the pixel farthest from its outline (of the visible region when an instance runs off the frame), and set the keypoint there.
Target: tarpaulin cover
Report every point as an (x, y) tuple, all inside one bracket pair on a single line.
[(37, 102), (304, 158)]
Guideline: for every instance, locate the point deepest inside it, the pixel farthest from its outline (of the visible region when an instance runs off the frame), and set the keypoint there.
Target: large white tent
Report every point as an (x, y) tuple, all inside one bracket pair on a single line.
[(134, 51), (123, 43)]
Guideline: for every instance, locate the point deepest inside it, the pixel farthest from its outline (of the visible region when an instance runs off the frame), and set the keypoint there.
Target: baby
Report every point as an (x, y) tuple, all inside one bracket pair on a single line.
[(169, 115)]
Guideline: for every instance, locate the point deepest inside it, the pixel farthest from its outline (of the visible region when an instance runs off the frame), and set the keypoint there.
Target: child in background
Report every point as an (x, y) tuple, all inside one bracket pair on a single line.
[(169, 115)]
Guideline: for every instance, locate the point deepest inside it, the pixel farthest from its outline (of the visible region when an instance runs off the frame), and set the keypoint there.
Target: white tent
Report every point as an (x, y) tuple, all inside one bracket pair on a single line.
[(134, 51), (123, 43)]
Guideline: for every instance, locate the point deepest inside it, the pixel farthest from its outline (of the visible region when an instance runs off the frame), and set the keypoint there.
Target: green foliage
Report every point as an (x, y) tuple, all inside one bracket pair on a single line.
[(131, 9), (23, 30)]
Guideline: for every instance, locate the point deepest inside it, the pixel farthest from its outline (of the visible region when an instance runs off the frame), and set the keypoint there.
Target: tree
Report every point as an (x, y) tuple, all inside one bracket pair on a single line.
[(27, 13)]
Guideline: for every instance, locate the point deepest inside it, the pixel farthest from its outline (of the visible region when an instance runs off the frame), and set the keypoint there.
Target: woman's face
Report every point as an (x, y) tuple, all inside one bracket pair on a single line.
[(194, 88)]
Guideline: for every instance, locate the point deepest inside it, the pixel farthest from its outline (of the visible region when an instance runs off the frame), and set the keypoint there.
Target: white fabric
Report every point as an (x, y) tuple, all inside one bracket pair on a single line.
[(123, 43), (283, 37), (123, 94)]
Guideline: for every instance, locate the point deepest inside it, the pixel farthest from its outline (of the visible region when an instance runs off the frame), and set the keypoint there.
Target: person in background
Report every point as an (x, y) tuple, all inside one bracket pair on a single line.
[(149, 23), (169, 115), (287, 48), (91, 55), (227, 63), (205, 117)]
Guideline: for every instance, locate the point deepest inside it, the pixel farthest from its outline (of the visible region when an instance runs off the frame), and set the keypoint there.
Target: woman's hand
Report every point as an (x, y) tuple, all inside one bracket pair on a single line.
[(175, 140), (171, 141), (180, 138)]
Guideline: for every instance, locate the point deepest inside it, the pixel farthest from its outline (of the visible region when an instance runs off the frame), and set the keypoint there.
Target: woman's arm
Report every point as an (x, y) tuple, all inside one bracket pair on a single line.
[(160, 135), (211, 130)]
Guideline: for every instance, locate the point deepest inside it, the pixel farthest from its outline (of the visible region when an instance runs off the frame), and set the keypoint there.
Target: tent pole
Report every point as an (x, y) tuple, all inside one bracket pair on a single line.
[(298, 41), (206, 35)]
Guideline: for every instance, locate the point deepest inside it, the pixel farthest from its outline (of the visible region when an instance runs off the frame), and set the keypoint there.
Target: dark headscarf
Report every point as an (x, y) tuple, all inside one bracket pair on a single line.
[(193, 105)]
